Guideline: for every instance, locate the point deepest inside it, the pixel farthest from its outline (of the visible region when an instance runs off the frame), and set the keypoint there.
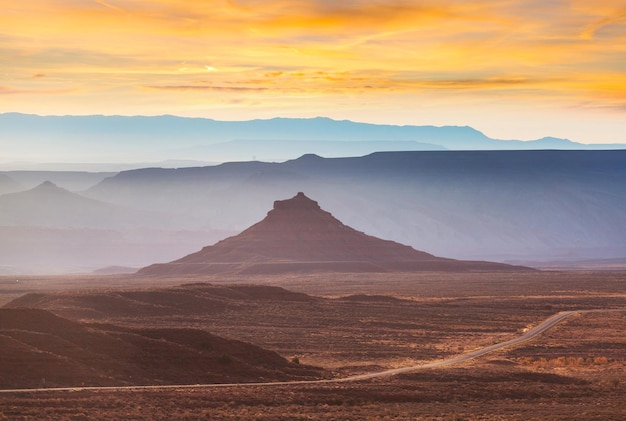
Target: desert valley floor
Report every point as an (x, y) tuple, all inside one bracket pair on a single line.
[(323, 326)]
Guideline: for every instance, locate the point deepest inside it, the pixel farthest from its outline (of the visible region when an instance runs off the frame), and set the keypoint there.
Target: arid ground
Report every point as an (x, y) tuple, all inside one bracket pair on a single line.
[(360, 323)]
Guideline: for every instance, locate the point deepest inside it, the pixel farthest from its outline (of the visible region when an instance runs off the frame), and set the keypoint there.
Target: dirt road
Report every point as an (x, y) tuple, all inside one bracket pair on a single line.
[(530, 334)]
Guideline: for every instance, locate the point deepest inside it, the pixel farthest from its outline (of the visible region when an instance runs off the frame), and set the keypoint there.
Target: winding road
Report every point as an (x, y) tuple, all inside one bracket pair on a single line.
[(530, 334)]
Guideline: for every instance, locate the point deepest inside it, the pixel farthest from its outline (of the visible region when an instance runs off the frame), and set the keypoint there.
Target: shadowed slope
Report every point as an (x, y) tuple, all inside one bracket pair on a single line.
[(297, 235), (41, 349), (194, 299)]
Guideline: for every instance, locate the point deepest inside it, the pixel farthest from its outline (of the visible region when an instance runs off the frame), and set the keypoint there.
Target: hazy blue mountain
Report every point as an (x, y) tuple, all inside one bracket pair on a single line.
[(517, 206), (153, 139), (70, 180), (28, 250), (493, 205), (277, 150), (48, 205), (49, 229), (154, 131), (36, 172), (557, 143), (9, 185)]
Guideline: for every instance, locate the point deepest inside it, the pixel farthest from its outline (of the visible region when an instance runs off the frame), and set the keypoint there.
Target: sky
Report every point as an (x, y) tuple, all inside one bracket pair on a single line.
[(511, 69)]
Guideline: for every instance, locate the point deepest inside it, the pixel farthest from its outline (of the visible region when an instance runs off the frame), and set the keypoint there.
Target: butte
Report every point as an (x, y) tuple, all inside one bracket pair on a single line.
[(298, 236)]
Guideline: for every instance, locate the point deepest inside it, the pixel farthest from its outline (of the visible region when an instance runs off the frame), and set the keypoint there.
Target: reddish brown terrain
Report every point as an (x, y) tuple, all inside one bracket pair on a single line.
[(300, 290), (298, 236), (573, 371), (40, 349)]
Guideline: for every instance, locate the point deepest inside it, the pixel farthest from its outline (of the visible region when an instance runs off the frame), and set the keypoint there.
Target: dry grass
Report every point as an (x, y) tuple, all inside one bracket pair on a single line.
[(479, 392), (422, 285), (572, 372)]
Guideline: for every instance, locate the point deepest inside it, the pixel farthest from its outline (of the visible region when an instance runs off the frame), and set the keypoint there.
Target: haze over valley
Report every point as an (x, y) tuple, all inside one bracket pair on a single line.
[(508, 206), (313, 210)]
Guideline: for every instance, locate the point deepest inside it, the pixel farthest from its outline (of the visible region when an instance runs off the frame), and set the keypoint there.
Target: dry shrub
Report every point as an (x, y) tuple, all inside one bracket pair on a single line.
[(600, 360), (563, 361)]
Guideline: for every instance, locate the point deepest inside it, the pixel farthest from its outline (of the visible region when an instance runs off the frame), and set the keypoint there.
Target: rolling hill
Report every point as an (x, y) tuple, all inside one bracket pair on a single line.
[(188, 299), (40, 349)]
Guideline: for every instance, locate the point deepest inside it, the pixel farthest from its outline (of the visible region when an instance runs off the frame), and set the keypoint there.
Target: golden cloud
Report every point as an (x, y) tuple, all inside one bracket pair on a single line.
[(316, 47)]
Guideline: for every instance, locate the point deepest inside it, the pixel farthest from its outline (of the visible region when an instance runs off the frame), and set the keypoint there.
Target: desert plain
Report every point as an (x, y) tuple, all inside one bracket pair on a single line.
[(327, 326)]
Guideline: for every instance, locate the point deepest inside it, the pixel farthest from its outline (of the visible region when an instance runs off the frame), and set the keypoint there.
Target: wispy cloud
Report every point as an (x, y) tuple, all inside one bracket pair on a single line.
[(110, 6), (616, 20), (10, 90), (205, 88), (363, 50)]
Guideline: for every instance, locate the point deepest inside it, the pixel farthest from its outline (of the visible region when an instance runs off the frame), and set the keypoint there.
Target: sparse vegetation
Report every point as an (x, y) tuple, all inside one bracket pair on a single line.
[(572, 372), (42, 350), (565, 361), (225, 358)]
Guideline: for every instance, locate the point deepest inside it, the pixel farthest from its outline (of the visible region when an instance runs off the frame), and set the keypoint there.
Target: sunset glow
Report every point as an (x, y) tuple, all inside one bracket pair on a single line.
[(512, 69)]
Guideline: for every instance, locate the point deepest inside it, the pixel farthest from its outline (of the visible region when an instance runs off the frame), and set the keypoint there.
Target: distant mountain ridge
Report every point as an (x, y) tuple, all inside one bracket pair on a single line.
[(504, 206), (8, 184), (492, 205), (50, 229), (48, 205), (158, 138), (74, 181)]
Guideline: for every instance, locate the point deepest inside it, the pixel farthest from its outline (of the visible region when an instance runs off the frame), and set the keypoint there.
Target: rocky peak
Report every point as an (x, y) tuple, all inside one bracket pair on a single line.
[(299, 202), (47, 185)]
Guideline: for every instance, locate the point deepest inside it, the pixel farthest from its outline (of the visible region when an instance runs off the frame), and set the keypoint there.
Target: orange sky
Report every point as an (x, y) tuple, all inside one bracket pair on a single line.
[(512, 69)]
